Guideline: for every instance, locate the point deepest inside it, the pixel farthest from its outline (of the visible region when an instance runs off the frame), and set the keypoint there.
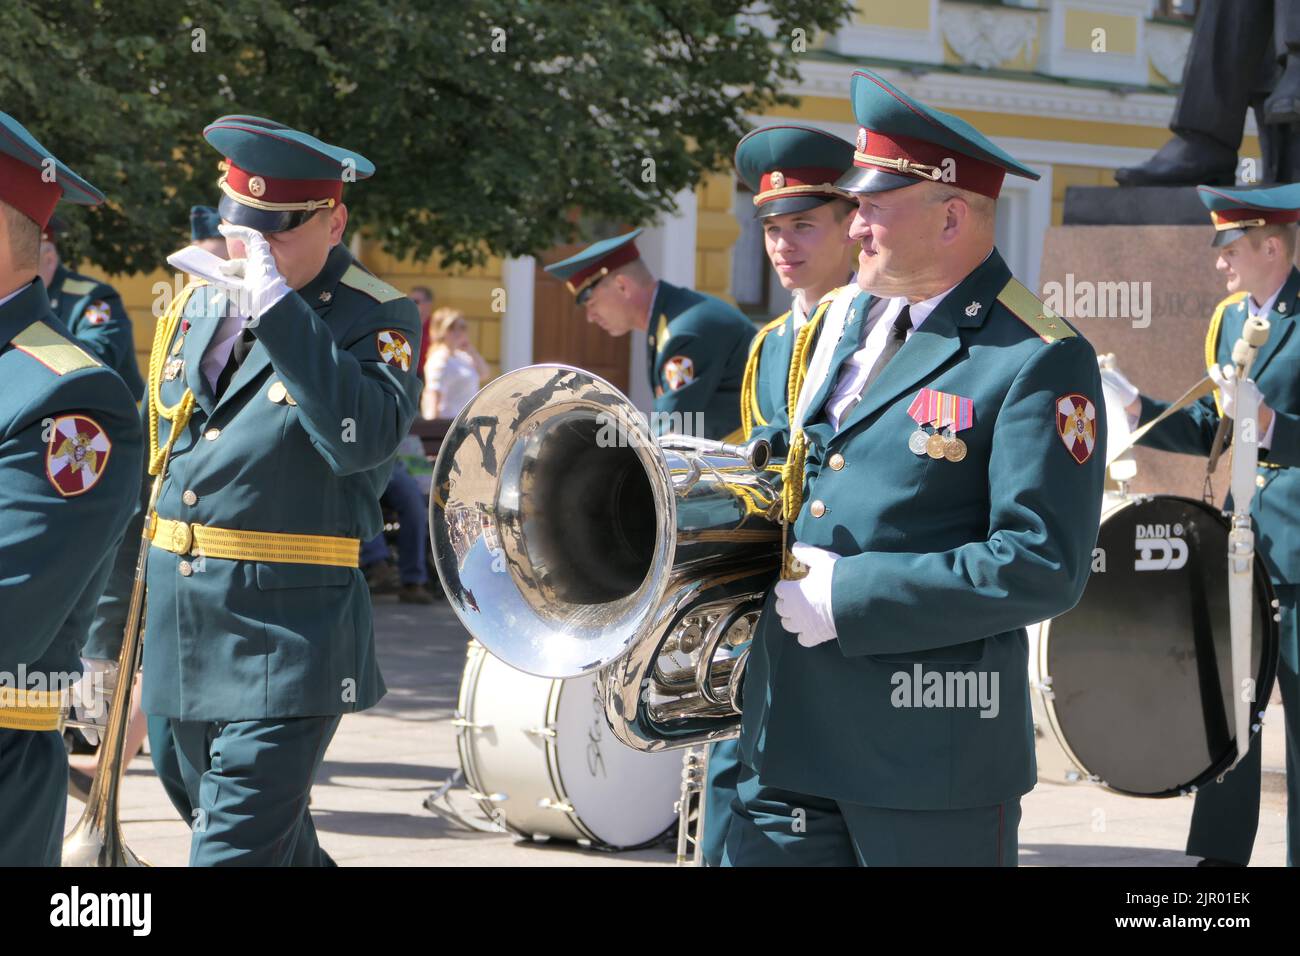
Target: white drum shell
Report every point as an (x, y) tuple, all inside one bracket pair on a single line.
[(544, 747)]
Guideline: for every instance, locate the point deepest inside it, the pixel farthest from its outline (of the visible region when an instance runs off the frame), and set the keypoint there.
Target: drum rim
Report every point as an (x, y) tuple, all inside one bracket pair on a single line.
[(1268, 668)]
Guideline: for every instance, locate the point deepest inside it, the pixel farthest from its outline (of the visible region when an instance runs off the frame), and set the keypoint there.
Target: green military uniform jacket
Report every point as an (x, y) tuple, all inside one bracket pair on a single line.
[(62, 510), (696, 350), (93, 312), (943, 563), (1276, 370), (301, 442)]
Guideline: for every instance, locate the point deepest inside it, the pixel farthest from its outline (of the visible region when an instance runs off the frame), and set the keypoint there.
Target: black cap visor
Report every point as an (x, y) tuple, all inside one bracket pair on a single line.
[(785, 205), (265, 221), (1221, 239), (866, 179)]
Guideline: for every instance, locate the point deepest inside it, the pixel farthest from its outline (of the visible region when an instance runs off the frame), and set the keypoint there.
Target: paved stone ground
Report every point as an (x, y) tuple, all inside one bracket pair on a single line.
[(382, 764)]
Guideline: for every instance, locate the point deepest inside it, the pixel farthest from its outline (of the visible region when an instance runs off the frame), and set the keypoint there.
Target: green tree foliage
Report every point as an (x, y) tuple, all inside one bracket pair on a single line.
[(492, 122)]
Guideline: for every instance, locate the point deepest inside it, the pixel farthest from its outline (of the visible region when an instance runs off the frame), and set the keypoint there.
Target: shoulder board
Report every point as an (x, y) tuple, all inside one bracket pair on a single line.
[(361, 280), (1029, 309), (80, 286), (757, 341), (52, 350), (830, 296)]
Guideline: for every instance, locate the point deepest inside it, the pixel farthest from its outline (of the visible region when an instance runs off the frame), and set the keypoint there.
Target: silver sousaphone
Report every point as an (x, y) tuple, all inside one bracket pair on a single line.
[(569, 541)]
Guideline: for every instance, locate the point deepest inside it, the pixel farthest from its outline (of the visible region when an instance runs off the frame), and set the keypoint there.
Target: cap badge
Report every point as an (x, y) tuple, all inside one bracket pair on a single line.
[(778, 179), (257, 185), (862, 139)]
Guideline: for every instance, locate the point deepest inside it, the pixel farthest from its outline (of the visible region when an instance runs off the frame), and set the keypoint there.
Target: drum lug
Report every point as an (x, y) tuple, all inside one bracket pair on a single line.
[(489, 797), (540, 731), (546, 803), (464, 724), (1044, 687)]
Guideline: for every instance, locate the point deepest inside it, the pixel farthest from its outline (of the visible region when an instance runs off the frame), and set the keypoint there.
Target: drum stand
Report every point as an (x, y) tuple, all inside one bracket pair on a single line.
[(691, 807), (439, 804)]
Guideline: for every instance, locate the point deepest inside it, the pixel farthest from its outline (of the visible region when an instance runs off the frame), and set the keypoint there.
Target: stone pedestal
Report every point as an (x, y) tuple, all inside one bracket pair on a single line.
[(1145, 293)]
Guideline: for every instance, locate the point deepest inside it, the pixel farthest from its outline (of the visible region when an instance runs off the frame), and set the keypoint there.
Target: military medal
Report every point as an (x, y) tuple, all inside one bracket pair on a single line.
[(172, 370), (954, 449), (948, 414)]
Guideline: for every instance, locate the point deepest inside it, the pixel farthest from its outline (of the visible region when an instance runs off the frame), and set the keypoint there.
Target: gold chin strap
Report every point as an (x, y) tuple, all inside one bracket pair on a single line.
[(824, 189), (306, 205), (932, 173)]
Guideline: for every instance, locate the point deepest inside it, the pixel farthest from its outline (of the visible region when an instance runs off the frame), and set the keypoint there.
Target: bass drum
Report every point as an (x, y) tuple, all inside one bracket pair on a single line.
[(1135, 682), (540, 759)]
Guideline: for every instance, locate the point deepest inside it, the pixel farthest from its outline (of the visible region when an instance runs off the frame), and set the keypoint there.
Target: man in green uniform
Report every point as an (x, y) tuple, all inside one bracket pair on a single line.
[(70, 460), (1255, 232), (696, 344), (92, 311), (792, 170), (943, 485), (286, 390)]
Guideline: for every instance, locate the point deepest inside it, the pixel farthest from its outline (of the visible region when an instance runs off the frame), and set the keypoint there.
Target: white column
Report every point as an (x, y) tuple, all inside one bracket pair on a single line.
[(518, 276)]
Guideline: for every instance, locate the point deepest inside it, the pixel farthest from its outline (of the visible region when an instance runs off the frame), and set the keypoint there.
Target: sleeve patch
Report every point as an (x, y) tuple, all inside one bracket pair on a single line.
[(1076, 423), (98, 312), (679, 371), (394, 349), (77, 454)]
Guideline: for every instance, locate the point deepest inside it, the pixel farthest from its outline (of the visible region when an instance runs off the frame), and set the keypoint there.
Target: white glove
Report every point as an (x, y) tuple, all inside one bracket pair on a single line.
[(1230, 387), (91, 695), (1112, 376), (805, 605), (263, 285)]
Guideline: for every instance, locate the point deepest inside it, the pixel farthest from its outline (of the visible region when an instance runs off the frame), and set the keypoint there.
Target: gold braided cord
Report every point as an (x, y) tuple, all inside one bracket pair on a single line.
[(750, 414), (793, 472), (178, 414), (1212, 339)]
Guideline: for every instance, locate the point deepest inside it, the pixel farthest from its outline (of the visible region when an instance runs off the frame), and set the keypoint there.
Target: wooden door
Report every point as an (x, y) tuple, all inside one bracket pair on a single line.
[(561, 332)]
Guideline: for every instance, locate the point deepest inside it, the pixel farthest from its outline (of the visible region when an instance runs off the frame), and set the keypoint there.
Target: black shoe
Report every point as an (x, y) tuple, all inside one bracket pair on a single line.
[(79, 784), (1213, 861), (1186, 160), (414, 594), (381, 578), (1283, 104)]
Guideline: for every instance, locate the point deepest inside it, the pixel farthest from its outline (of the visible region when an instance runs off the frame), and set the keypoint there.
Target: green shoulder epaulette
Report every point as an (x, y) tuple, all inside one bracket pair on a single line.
[(52, 350), (80, 286), (361, 280), (1029, 309), (757, 340)]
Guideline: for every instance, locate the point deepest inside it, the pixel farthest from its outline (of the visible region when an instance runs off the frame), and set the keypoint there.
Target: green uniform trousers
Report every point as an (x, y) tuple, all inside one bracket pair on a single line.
[(773, 827), (166, 763), (33, 797), (248, 782), (719, 791), (1226, 815)]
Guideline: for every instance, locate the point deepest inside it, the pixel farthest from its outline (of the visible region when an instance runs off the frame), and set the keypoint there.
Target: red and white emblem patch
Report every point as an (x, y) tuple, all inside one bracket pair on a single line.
[(394, 349), (77, 454), (1076, 423), (98, 312), (679, 371)]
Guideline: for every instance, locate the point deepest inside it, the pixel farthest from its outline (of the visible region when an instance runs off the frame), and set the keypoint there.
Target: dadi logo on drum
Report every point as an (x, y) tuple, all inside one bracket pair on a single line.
[(1160, 547)]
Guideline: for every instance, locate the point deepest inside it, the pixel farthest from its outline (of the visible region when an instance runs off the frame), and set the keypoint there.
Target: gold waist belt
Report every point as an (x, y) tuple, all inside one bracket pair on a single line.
[(30, 709), (182, 537)]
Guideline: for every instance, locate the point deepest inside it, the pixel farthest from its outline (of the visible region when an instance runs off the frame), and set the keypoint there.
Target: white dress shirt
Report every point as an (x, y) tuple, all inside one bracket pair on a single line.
[(219, 349), (14, 294), (853, 373)]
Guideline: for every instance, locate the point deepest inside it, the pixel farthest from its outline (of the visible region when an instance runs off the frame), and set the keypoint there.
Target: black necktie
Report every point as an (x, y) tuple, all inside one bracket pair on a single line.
[(897, 336), (237, 355)]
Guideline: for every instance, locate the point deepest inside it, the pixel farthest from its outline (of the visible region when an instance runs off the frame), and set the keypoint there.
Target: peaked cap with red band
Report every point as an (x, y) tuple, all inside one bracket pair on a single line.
[(1233, 211), (792, 168), (275, 178), (584, 269), (32, 180), (902, 142)]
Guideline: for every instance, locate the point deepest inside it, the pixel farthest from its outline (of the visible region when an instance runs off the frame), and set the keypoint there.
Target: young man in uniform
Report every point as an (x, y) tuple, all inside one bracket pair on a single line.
[(1255, 233)]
